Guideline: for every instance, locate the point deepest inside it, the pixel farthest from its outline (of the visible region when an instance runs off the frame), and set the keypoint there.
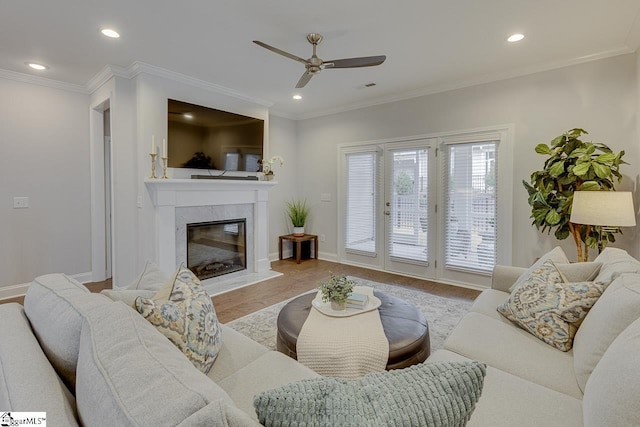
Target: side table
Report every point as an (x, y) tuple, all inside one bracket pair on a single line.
[(297, 240)]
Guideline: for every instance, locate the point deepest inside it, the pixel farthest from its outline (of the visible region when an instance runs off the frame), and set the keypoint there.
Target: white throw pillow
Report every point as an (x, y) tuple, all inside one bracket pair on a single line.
[(556, 255), (611, 395), (151, 278), (616, 309), (615, 262), (579, 271)]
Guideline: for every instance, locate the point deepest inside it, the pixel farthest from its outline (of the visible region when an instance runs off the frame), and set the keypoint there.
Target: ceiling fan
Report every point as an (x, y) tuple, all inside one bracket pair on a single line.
[(314, 64)]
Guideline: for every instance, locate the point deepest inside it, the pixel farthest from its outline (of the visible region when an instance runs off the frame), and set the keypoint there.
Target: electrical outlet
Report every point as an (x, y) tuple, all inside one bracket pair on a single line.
[(325, 197), (20, 202), (139, 201), (322, 239)]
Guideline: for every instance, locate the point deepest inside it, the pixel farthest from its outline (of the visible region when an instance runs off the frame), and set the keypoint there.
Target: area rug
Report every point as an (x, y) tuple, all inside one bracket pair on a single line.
[(442, 314)]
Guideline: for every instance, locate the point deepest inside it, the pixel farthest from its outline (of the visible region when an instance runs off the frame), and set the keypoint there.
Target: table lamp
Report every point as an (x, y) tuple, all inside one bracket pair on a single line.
[(603, 209)]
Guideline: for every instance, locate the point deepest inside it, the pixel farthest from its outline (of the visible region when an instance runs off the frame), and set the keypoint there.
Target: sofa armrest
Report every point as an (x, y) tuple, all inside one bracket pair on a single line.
[(504, 276)]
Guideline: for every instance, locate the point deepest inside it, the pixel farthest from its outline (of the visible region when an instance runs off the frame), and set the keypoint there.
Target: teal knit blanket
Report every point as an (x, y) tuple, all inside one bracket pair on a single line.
[(429, 394)]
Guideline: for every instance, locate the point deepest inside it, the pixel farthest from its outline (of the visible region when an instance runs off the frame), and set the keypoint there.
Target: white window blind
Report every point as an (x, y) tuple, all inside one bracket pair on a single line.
[(471, 206), (361, 188)]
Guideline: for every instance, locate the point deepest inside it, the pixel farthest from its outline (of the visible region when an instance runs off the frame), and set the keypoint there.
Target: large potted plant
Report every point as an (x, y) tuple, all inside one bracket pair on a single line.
[(336, 290), (571, 165), (298, 211)]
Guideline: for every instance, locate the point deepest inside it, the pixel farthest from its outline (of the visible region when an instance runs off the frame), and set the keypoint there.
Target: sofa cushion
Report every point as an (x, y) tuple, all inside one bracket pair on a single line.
[(28, 382), (270, 370), (508, 400), (613, 390), (127, 296), (616, 309), (55, 305), (556, 255), (219, 414), (236, 352), (487, 302), (151, 278), (187, 318), (130, 374), (435, 394), (579, 271), (503, 345), (548, 308), (615, 262)]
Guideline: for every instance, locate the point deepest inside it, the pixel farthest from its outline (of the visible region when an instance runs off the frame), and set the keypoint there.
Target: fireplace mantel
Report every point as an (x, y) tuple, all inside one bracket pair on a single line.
[(169, 194)]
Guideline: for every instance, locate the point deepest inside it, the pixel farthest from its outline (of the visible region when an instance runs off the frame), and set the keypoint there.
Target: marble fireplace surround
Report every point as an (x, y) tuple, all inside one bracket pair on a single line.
[(180, 201)]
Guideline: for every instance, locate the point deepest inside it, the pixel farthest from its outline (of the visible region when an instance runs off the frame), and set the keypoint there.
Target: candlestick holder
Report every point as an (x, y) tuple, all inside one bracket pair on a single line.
[(153, 166), (164, 168)]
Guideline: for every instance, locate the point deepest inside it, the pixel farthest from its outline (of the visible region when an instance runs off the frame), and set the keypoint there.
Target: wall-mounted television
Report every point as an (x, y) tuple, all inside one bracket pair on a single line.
[(205, 138)]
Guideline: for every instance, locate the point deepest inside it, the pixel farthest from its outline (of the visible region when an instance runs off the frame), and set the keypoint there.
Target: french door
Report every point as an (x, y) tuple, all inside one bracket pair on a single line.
[(388, 214), (409, 208)]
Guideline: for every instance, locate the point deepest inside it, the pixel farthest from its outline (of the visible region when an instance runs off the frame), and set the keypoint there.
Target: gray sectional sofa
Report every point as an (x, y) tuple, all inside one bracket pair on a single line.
[(88, 360)]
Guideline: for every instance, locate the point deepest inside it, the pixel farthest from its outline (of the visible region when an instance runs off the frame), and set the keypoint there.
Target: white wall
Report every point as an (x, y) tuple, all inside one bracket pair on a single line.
[(283, 140), (599, 96), (44, 135)]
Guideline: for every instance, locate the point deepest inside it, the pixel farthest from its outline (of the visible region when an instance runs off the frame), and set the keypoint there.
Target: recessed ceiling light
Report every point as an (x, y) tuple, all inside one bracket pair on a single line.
[(187, 116), (297, 97), (110, 33), (36, 66), (515, 38)]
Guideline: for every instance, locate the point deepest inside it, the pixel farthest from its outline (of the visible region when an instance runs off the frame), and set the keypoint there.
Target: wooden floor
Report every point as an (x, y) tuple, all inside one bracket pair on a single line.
[(298, 278)]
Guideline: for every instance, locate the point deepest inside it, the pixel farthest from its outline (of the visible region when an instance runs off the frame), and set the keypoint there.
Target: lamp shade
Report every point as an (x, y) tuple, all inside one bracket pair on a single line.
[(603, 208)]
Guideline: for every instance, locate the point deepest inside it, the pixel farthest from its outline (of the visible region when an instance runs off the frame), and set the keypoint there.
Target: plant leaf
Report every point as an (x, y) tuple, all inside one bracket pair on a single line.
[(581, 169), (603, 171), (557, 169), (552, 217), (590, 186), (605, 158), (543, 149)]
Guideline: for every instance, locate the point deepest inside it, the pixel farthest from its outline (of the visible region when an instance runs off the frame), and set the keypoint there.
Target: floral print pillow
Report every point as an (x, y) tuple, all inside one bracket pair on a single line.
[(188, 318), (550, 309)]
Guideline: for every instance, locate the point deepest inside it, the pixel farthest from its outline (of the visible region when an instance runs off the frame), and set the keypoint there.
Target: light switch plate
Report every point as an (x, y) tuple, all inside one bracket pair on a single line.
[(325, 197), (20, 202)]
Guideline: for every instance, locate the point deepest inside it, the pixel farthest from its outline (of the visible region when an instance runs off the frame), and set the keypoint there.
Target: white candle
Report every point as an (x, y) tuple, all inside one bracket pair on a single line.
[(153, 144), (164, 148)]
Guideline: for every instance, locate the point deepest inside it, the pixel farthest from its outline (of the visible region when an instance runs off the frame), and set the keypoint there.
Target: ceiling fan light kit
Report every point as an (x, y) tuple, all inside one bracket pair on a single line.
[(314, 64)]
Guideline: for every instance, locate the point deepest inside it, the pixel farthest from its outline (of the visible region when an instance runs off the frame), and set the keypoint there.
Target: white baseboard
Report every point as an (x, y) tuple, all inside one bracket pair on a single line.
[(14, 291)]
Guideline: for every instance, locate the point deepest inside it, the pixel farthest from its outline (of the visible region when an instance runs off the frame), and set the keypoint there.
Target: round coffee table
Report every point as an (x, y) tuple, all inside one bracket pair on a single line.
[(404, 325)]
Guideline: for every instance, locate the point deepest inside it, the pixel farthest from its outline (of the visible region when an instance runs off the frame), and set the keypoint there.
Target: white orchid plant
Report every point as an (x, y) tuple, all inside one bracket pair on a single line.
[(267, 165)]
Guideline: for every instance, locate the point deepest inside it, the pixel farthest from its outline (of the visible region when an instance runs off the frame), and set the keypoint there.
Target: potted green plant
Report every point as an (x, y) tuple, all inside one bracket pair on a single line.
[(298, 211), (336, 290), (572, 165)]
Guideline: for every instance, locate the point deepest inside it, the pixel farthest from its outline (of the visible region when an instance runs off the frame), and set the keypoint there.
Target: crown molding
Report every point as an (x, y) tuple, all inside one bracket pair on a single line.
[(488, 78), (137, 68), (283, 114), (42, 81), (103, 76)]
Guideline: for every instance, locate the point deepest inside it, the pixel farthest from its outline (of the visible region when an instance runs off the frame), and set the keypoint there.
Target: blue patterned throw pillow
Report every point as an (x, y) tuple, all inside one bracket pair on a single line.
[(548, 308), (187, 318)]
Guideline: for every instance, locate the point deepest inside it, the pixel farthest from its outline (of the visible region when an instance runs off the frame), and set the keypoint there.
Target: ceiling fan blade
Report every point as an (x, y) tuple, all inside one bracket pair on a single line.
[(365, 61), (304, 80), (281, 52)]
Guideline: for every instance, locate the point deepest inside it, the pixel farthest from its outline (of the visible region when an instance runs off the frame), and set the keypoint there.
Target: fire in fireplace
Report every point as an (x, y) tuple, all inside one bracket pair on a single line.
[(216, 248)]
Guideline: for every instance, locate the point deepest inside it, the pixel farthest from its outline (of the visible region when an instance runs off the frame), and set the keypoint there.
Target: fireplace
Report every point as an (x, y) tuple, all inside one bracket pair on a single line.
[(216, 248)]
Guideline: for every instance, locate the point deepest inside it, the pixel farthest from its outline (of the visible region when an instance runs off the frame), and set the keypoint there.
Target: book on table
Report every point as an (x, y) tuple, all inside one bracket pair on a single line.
[(357, 300)]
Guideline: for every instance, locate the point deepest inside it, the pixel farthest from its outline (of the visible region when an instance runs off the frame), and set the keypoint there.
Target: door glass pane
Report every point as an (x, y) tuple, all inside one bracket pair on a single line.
[(471, 202), (408, 211), (360, 232)]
